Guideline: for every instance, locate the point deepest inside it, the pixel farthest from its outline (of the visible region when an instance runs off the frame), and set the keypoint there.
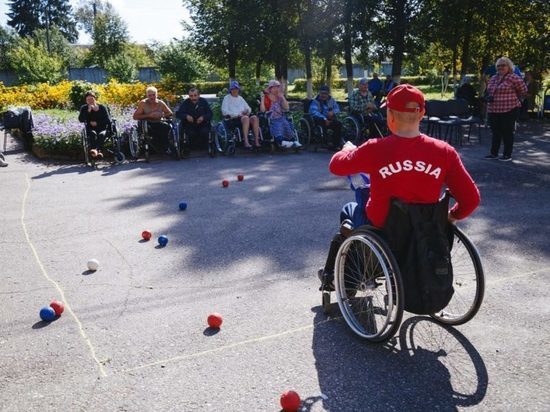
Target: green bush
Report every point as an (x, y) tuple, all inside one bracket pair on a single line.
[(77, 92), (180, 88), (301, 84)]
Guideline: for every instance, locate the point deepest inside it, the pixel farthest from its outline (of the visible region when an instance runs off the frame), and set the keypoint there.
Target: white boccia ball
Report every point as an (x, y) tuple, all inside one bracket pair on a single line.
[(93, 264)]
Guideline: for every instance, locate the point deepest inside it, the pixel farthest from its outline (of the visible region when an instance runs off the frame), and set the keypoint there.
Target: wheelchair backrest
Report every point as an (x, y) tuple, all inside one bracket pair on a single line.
[(307, 103)]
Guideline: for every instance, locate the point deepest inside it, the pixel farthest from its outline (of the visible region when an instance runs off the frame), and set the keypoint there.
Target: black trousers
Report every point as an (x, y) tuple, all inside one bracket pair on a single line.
[(503, 125), (97, 138), (198, 135), (336, 127), (160, 132)]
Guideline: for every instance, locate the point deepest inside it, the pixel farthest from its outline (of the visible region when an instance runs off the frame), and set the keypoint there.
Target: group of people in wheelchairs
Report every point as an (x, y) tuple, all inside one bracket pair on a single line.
[(161, 130)]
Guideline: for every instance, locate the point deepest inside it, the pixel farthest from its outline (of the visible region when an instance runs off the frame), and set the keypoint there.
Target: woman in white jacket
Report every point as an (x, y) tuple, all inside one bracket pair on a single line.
[(236, 113)]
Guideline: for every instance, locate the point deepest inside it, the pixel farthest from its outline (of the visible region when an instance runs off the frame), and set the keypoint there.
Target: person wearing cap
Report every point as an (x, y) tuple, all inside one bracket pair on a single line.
[(361, 106), (407, 165), (323, 109), (237, 112), (153, 111), (375, 87), (96, 119), (274, 102), (195, 115)]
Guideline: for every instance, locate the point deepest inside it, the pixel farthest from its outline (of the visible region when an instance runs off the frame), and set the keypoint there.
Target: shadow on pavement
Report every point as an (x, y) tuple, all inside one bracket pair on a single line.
[(425, 367)]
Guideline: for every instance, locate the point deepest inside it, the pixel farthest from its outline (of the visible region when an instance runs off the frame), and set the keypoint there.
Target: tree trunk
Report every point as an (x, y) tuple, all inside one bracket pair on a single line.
[(453, 70), (232, 62), (328, 70), (465, 58), (284, 74), (258, 71), (347, 58), (309, 71), (399, 29)]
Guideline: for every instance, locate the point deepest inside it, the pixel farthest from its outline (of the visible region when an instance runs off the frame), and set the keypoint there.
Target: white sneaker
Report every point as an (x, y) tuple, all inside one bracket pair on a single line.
[(296, 144), (286, 144), (2, 163)]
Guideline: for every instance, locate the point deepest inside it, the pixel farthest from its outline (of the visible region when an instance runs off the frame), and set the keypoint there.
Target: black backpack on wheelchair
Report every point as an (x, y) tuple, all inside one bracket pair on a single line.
[(420, 237), (20, 119)]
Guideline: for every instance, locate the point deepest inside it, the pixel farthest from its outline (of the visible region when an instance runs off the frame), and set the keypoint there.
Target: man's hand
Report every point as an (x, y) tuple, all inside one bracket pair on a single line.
[(244, 113), (452, 219), (93, 124), (371, 107), (330, 114), (327, 122), (200, 120), (348, 146), (189, 118), (156, 115)]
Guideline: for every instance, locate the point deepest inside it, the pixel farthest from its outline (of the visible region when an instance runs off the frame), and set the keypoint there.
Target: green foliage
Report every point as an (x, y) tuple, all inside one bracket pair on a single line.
[(121, 68), (33, 64), (110, 37), (7, 42), (77, 92), (27, 16), (179, 61)]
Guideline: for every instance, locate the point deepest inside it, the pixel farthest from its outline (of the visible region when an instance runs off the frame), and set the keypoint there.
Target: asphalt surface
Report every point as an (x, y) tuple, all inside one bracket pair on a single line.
[(134, 336)]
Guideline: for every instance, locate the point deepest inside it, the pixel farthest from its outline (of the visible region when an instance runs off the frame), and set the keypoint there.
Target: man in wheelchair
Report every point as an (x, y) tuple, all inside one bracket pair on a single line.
[(362, 107), (97, 120), (406, 166), (195, 115), (324, 109), (153, 111)]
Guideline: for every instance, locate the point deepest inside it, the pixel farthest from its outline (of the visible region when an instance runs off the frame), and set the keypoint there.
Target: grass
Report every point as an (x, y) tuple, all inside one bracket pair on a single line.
[(59, 113), (430, 92)]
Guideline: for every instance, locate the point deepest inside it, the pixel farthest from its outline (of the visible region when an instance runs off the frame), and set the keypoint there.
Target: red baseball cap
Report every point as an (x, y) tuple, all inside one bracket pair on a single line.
[(405, 98)]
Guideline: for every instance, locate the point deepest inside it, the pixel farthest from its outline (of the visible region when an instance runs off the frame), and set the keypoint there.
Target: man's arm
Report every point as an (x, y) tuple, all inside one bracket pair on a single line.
[(166, 111), (208, 112), (353, 102), (182, 110), (83, 115), (352, 160), (462, 187), (314, 110), (335, 107), (138, 114)]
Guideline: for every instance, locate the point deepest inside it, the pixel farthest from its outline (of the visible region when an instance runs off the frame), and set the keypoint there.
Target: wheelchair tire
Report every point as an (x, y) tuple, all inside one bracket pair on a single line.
[(220, 138), (133, 143), (119, 157), (468, 282), (84, 140), (176, 142), (304, 133), (2, 156), (352, 130), (368, 286)]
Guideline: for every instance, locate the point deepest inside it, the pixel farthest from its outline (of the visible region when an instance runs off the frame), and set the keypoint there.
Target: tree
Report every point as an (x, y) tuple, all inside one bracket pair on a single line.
[(33, 63), (179, 61), (7, 42), (27, 16), (121, 68), (87, 11), (110, 37)]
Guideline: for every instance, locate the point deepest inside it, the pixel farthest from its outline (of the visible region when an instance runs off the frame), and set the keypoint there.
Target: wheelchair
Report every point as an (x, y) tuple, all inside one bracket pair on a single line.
[(265, 127), (140, 141), (314, 134), (228, 135), (370, 291), (185, 142), (356, 130), (113, 146)]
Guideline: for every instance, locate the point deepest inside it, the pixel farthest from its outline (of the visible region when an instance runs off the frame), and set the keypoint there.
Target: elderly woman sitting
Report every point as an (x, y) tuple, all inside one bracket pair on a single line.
[(96, 118), (274, 102)]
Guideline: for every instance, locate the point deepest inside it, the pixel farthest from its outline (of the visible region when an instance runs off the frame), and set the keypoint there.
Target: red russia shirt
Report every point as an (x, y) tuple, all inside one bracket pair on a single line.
[(506, 93), (413, 170)]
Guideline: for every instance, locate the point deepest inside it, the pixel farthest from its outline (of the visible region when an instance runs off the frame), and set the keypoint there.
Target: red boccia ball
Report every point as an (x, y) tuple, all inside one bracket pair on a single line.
[(225, 183), (215, 320), (146, 235), (240, 178), (57, 306), (290, 401)]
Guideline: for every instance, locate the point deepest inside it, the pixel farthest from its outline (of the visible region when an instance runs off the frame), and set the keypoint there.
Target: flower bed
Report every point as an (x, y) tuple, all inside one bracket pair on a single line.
[(59, 137)]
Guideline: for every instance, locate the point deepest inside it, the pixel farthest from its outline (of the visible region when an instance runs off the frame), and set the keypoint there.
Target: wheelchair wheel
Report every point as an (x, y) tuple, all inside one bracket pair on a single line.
[(304, 133), (119, 157), (468, 282), (89, 160), (368, 286), (352, 130), (221, 138), (175, 140), (133, 143)]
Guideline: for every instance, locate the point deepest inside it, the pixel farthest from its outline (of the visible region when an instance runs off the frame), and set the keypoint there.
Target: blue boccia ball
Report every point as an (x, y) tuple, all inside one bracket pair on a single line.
[(47, 314), (163, 240), (183, 205)]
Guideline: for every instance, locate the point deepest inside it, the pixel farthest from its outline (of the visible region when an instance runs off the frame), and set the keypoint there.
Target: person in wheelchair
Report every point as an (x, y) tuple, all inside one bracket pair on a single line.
[(195, 115), (237, 113), (96, 118), (323, 109), (362, 107), (274, 102), (153, 111), (407, 166)]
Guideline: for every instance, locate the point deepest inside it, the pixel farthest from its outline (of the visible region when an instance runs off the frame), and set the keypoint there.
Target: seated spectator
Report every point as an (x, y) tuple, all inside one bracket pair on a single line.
[(361, 105), (195, 115), (96, 118), (376, 88), (237, 112), (467, 92), (153, 111), (274, 102), (532, 92), (389, 84), (323, 109)]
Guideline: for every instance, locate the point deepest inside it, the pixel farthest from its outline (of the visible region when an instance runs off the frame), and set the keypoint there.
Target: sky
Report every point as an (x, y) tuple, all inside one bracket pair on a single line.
[(147, 20)]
